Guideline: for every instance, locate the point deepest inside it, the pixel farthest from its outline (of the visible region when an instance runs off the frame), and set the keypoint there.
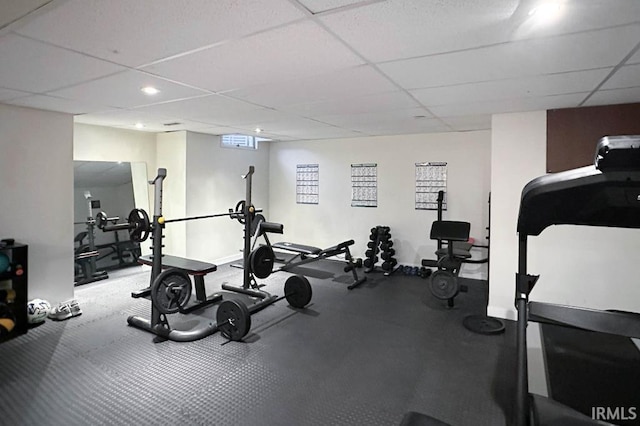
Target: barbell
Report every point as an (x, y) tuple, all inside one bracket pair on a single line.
[(139, 225)]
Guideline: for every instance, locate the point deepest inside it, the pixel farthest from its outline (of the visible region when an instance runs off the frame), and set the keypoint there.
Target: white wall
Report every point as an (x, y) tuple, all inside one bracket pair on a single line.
[(36, 195), (334, 220), (172, 155), (518, 154), (583, 266), (215, 185)]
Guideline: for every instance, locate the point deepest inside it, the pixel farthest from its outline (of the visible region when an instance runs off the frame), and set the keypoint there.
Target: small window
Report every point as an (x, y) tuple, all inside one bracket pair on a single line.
[(241, 141)]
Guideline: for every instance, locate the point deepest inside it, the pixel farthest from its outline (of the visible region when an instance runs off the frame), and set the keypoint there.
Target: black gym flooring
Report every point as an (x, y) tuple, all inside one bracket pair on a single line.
[(353, 357)]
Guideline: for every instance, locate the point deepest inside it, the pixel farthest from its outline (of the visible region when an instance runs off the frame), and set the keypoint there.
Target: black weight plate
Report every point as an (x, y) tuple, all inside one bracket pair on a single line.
[(233, 319), (261, 261), (171, 291), (140, 225), (297, 291), (483, 325), (444, 285), (239, 211)]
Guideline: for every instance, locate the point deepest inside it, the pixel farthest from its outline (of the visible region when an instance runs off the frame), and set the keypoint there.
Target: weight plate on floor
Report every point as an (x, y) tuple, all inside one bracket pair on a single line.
[(444, 285), (140, 225), (483, 325), (261, 261), (171, 291), (297, 291), (233, 319)]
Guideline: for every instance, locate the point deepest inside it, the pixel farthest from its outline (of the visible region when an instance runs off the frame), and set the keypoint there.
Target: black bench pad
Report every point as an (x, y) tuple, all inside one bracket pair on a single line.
[(298, 248), (192, 267)]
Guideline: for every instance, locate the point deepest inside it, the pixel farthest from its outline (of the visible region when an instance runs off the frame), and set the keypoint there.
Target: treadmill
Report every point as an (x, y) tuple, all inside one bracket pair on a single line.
[(606, 194)]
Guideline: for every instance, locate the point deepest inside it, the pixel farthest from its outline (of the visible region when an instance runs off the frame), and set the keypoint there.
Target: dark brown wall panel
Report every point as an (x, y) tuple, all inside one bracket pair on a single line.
[(572, 133)]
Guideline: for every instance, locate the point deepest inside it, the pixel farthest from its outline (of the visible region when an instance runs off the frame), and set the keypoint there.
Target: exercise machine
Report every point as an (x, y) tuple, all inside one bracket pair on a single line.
[(606, 194), (453, 249), (301, 254), (170, 288)]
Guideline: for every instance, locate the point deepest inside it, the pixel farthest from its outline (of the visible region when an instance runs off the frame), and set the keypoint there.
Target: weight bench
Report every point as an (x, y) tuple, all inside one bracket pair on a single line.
[(195, 268), (307, 254)]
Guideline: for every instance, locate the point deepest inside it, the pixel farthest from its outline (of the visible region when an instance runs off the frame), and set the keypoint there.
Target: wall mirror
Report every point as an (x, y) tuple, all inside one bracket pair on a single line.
[(112, 189)]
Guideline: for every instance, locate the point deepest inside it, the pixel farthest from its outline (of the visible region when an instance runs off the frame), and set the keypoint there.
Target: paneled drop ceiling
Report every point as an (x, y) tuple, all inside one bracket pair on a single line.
[(315, 69)]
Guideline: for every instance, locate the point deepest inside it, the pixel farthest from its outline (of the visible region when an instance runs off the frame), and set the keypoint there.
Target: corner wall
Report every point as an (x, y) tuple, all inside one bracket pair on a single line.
[(334, 220), (578, 265), (36, 195), (518, 154)]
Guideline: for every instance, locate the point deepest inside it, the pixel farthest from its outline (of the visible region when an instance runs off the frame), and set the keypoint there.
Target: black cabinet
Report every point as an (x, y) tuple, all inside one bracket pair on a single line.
[(13, 290)]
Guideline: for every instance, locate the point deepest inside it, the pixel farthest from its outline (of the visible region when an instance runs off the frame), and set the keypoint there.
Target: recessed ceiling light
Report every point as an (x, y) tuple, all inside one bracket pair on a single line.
[(139, 126), (150, 90), (546, 12), (258, 129)]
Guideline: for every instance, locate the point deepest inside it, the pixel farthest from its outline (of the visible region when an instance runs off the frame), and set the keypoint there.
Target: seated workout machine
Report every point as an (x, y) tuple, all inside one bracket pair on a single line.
[(605, 194), (170, 290), (454, 249), (444, 282), (304, 254)]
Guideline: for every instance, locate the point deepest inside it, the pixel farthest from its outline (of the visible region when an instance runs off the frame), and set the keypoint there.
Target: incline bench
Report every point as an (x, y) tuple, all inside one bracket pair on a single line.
[(308, 254), (195, 268)]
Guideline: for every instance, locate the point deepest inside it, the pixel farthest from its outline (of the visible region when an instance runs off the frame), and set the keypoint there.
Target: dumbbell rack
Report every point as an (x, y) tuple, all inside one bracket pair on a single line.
[(380, 242)]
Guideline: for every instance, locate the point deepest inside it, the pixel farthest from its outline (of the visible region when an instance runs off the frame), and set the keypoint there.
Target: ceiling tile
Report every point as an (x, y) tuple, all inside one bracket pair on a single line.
[(120, 118), (314, 130), (138, 32), (542, 85), (122, 90), (404, 127), (6, 94), (509, 105), (219, 130), (407, 28), (160, 124), (286, 124), (345, 83), (215, 109), (318, 6), (627, 76), (36, 67), (615, 96), (52, 103), (598, 49), (381, 118), (270, 57), (466, 123), (11, 11), (355, 105), (635, 59), (410, 28)]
